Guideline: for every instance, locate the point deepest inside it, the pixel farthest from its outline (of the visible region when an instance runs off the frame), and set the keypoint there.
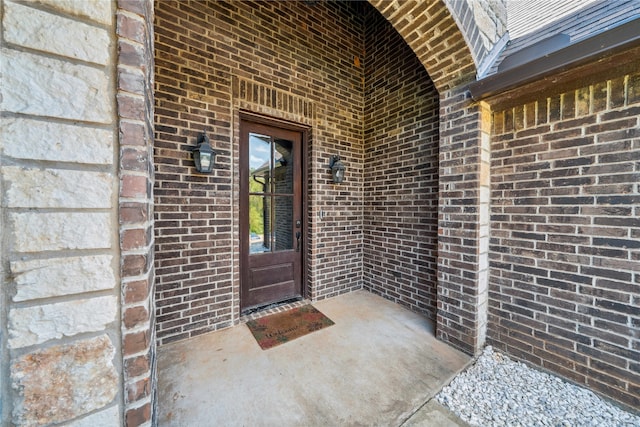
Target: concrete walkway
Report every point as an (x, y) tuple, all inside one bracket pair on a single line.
[(379, 365)]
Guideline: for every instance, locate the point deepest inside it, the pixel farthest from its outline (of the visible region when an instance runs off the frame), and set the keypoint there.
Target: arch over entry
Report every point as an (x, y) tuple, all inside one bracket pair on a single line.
[(463, 200), (430, 30)]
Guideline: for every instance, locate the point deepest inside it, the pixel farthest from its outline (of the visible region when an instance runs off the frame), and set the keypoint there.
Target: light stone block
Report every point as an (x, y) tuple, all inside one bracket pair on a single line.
[(57, 188), (484, 230), (43, 86), (108, 418), (498, 9), (483, 244), (24, 138), (485, 143), (96, 10), (484, 213), (35, 29), (485, 194), (486, 25), (36, 232), (483, 282), (38, 324), (485, 156), (483, 261), (485, 173), (64, 382), (44, 278)]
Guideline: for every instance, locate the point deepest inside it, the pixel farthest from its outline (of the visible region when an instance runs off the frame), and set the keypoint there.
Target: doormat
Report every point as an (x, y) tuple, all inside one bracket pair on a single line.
[(280, 328)]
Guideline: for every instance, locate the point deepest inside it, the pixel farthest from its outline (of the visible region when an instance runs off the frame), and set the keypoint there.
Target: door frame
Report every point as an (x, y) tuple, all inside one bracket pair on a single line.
[(248, 116)]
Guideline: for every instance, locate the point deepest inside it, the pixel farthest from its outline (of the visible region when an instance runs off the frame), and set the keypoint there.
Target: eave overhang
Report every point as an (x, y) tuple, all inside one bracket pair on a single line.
[(602, 45)]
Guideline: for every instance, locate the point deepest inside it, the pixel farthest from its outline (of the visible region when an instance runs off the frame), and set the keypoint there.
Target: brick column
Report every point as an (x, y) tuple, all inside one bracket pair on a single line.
[(463, 221), (135, 114), (463, 217)]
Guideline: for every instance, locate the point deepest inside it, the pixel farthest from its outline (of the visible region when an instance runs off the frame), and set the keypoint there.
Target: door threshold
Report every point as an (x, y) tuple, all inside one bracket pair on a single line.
[(276, 307)]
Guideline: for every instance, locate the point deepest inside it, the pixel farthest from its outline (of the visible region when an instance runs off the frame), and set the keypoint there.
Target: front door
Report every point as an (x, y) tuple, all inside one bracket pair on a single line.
[(270, 214)]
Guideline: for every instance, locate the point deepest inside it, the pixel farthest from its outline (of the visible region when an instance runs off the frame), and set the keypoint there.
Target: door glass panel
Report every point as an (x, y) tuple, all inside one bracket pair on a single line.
[(282, 167), (283, 223), (270, 194), (259, 163), (259, 220)]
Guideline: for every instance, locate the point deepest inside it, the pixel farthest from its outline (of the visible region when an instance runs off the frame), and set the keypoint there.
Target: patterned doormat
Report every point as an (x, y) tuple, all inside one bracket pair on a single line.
[(280, 328)]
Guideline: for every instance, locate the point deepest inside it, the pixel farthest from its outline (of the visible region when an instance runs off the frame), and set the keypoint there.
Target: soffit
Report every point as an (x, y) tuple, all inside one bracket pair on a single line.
[(591, 33)]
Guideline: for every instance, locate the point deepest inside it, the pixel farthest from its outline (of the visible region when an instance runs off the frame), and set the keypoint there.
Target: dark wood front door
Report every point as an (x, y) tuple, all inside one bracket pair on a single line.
[(271, 223)]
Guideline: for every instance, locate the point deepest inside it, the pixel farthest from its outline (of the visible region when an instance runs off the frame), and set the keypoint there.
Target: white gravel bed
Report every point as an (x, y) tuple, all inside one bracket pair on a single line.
[(497, 391)]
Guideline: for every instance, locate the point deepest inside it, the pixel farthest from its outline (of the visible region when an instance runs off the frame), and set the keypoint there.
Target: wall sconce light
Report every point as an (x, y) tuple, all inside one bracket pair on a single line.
[(337, 169), (203, 154)]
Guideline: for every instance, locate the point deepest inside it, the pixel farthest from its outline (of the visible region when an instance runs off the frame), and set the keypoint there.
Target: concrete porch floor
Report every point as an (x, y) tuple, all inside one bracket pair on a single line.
[(379, 365)]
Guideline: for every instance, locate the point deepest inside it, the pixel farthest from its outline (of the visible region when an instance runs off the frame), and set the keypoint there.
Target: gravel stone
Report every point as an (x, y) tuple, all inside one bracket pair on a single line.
[(497, 391)]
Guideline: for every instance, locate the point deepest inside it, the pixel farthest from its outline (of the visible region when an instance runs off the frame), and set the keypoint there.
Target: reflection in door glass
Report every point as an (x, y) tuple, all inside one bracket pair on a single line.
[(282, 167), (283, 223), (259, 163), (259, 224), (270, 194)]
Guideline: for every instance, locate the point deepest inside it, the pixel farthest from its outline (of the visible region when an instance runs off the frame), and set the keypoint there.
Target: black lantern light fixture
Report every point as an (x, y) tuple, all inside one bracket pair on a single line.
[(203, 154), (337, 169)]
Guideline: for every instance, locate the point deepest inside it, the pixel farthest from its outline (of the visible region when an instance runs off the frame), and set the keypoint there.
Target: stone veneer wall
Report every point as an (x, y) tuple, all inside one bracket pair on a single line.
[(401, 173), (61, 336), (565, 227), (299, 61)]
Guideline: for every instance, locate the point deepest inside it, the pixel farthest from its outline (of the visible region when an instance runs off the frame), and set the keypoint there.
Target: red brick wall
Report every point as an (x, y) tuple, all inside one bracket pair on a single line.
[(565, 233), (135, 213), (309, 52), (401, 172)]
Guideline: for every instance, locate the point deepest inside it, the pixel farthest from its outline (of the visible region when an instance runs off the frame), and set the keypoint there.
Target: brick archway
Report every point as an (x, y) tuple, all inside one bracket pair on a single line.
[(463, 209), (432, 33), (430, 30)]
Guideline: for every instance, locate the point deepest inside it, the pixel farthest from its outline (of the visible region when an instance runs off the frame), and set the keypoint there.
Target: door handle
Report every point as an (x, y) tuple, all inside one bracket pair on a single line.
[(297, 241)]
